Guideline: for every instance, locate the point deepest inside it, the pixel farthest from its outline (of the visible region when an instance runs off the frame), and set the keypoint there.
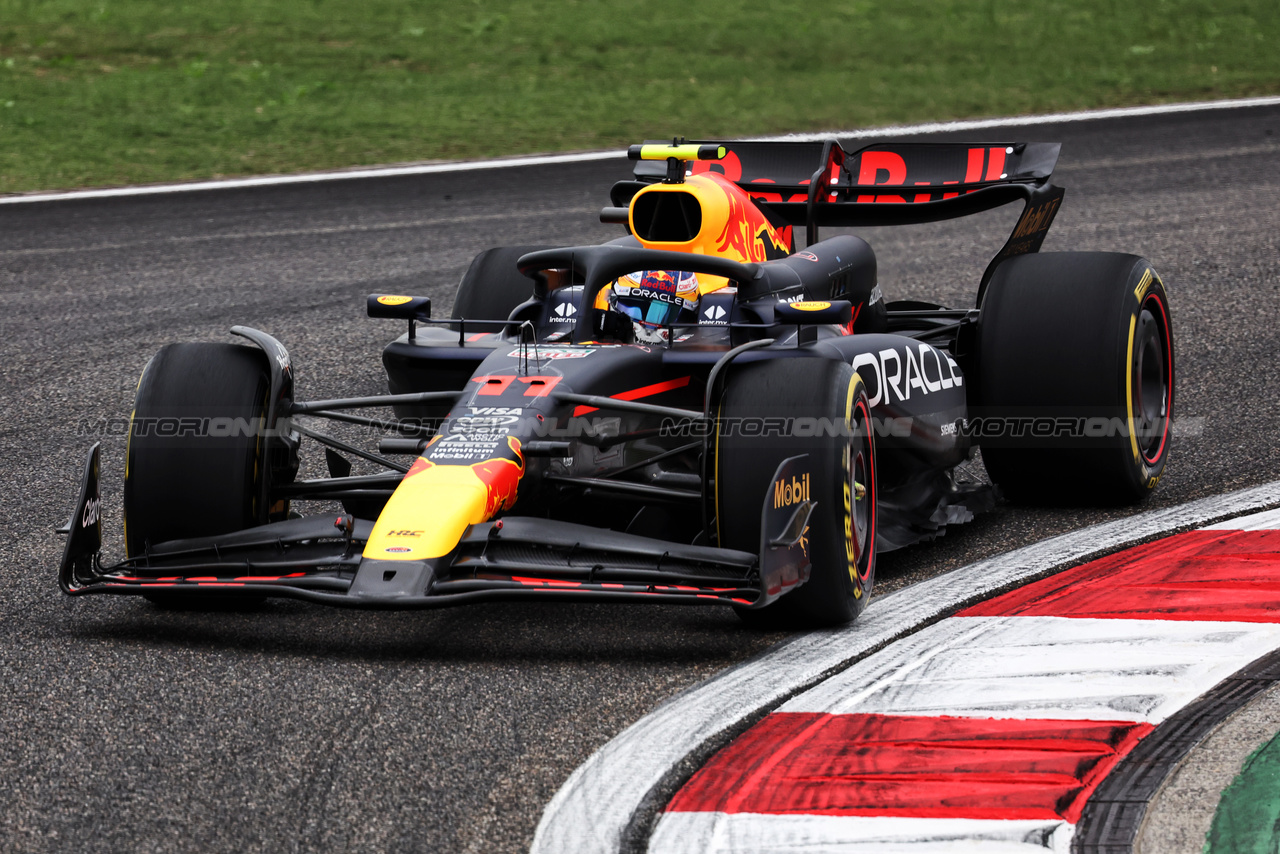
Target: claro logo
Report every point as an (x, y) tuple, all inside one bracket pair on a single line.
[(90, 515), (787, 492)]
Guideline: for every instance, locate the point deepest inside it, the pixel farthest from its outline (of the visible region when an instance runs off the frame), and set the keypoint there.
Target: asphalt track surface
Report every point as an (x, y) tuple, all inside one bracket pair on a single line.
[(296, 727)]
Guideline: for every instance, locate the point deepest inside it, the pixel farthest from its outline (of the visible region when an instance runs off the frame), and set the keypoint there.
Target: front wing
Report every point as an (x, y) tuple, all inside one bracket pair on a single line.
[(318, 558)]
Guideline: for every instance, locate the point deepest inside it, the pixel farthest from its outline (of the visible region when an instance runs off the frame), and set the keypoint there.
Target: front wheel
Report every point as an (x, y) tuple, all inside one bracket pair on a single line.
[(772, 411), (197, 448)]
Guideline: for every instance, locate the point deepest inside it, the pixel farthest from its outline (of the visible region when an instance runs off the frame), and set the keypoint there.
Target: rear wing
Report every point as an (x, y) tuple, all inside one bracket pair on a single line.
[(816, 184)]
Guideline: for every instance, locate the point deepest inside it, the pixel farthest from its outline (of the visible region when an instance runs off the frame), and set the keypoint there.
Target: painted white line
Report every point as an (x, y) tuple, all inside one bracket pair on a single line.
[(754, 833), (1268, 521), (317, 177), (1046, 119), (585, 157), (1050, 668), (594, 807)]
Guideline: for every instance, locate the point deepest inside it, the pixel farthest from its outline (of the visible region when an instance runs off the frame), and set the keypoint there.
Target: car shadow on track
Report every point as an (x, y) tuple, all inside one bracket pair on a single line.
[(508, 632)]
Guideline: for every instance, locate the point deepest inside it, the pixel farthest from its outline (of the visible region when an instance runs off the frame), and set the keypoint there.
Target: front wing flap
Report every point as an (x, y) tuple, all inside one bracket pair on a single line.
[(318, 558)]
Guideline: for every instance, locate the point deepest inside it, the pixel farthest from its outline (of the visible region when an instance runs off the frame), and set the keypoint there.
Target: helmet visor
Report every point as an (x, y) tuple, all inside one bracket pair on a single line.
[(651, 312)]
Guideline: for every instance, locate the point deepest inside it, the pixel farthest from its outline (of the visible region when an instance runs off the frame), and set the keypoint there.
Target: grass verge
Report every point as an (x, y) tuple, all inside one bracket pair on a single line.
[(104, 92)]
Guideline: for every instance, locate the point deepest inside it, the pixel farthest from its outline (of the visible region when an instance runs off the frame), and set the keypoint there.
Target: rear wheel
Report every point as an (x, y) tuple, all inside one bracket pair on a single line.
[(809, 402), (196, 458), (492, 287), (1076, 375)]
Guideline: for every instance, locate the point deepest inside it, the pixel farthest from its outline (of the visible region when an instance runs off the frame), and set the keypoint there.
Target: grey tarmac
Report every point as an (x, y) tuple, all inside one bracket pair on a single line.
[(1178, 818), (294, 727)]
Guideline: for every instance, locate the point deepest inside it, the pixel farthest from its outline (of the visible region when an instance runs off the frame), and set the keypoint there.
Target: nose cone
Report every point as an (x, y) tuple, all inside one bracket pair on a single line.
[(434, 504)]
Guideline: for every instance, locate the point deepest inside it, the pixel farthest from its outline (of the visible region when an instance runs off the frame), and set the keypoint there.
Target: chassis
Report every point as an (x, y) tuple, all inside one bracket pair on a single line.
[(757, 454)]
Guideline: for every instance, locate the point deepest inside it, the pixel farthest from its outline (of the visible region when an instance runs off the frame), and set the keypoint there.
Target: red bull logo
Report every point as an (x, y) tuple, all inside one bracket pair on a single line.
[(663, 281), (729, 166)]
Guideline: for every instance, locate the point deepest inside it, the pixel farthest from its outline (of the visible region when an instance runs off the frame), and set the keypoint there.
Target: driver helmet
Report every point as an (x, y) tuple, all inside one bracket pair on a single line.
[(655, 299)]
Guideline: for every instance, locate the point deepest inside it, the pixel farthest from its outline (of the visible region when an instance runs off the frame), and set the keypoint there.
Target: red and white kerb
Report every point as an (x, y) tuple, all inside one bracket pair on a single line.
[(990, 729)]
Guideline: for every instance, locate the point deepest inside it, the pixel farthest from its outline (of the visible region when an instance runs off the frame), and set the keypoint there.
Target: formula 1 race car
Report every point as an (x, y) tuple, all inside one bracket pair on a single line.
[(696, 412)]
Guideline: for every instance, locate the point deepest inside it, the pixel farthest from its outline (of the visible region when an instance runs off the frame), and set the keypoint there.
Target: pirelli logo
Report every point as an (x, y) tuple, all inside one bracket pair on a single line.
[(790, 491)]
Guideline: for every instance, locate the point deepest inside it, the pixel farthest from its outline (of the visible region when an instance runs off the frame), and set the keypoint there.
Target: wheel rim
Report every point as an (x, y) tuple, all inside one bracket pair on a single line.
[(862, 473), (858, 472), (1153, 382)]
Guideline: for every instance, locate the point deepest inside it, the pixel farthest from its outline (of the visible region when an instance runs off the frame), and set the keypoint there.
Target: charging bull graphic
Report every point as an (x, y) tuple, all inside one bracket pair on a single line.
[(451, 496), (747, 233)]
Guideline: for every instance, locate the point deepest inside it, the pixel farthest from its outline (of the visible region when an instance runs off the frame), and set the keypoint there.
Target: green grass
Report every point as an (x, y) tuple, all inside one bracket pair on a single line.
[(103, 92)]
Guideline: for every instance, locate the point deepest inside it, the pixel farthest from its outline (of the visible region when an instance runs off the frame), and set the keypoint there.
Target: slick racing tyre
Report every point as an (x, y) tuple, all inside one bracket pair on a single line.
[(1075, 378), (805, 396), (492, 287), (196, 454)]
